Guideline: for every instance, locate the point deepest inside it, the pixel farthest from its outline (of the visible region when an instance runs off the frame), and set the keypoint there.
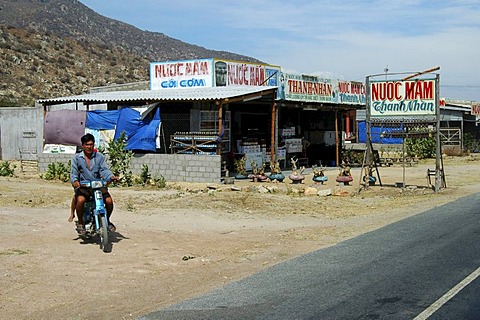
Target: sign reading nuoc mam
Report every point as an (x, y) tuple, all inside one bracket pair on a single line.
[(181, 74), (210, 73), (403, 98)]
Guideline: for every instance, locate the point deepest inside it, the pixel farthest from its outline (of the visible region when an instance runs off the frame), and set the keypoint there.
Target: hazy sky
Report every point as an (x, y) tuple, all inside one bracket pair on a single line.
[(342, 39)]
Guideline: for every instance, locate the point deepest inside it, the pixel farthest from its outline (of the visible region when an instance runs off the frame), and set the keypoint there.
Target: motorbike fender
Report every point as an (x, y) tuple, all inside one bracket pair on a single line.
[(99, 204)]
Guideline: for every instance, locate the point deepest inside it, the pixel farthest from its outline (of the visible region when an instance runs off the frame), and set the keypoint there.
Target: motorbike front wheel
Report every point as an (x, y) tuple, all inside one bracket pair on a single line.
[(104, 243)]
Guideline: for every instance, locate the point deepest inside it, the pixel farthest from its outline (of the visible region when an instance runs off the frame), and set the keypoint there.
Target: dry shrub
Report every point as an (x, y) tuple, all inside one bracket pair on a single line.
[(452, 151)]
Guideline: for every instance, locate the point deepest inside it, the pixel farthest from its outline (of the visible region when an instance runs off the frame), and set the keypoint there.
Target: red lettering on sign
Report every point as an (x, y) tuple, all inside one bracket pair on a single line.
[(257, 75), (419, 90), (386, 91), (180, 69), (237, 74), (344, 87), (476, 109), (310, 88), (357, 88)]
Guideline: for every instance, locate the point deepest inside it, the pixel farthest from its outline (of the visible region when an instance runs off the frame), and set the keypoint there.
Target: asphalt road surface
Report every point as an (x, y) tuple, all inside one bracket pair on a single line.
[(400, 271)]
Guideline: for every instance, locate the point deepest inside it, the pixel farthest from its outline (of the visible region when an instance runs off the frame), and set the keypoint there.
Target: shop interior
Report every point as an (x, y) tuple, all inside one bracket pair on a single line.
[(306, 134)]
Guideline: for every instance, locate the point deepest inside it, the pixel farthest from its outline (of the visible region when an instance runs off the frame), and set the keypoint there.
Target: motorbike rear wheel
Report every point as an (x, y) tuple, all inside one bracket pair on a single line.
[(104, 241)]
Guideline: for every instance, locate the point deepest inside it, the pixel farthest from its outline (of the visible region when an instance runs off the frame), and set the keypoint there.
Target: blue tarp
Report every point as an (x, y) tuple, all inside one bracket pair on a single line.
[(140, 133), (377, 134), (102, 119)]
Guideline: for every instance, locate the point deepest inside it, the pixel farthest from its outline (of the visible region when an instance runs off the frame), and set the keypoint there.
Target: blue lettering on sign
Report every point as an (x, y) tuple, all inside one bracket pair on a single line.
[(172, 83), (192, 83), (409, 107), (169, 84)]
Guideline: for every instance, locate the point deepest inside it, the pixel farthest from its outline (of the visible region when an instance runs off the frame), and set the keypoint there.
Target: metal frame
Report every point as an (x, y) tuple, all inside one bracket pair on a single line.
[(419, 120)]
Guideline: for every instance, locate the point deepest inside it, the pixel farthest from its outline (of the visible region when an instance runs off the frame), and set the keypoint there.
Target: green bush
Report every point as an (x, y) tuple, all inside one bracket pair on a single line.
[(119, 159), (7, 169), (145, 175), (57, 171), (350, 157), (159, 182), (470, 144), (145, 178), (421, 148)]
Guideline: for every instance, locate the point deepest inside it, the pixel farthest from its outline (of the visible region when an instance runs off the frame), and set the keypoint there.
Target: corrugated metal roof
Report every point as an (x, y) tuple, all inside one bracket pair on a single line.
[(204, 93)]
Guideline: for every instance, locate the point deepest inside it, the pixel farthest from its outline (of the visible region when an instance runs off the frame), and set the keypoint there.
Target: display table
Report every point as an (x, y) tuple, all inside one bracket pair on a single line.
[(194, 143), (256, 157)]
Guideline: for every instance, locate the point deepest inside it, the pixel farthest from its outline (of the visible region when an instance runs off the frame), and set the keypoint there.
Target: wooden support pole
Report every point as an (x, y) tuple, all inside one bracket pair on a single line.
[(220, 126), (272, 134), (420, 73), (337, 156), (347, 123)]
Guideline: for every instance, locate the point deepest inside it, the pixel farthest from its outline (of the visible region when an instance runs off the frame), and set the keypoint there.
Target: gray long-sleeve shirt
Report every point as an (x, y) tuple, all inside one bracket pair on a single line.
[(98, 168)]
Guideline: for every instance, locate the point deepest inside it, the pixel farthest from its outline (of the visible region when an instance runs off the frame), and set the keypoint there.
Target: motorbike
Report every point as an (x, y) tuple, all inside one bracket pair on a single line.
[(95, 217)]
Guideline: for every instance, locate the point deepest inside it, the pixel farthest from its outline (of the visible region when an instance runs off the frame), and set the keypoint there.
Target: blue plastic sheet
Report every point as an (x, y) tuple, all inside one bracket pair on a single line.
[(141, 133), (378, 134), (102, 119)]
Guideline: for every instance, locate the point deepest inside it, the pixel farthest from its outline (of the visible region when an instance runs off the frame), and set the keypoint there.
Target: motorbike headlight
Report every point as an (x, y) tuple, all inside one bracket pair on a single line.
[(97, 184)]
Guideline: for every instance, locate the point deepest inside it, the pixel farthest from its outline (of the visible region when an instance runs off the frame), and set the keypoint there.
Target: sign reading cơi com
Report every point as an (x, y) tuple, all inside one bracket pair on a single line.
[(402, 98)]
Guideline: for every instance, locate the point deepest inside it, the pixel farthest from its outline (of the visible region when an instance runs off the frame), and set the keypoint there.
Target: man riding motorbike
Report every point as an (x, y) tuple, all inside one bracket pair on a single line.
[(90, 165)]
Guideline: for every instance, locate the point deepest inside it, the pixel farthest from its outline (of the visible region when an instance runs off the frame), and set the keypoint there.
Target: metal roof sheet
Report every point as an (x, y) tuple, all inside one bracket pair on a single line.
[(203, 93)]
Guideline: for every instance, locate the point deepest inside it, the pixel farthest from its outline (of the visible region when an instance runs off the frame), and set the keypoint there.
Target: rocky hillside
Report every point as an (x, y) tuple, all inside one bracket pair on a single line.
[(53, 48), (36, 65)]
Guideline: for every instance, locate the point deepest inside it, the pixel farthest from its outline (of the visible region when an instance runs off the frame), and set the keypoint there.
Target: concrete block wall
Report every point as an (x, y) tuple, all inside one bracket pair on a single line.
[(44, 159), (180, 167), (173, 167)]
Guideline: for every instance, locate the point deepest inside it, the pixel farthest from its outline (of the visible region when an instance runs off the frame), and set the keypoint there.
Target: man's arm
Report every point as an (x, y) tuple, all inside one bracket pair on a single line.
[(105, 172), (74, 174)]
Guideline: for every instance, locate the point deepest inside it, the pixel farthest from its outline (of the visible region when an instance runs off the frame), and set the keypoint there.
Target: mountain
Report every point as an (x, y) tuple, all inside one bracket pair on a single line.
[(53, 48)]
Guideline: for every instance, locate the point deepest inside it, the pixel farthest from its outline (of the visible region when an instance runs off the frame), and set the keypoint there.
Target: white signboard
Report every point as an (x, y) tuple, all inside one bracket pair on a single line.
[(181, 74), (300, 87), (402, 98), (237, 73), (349, 92)]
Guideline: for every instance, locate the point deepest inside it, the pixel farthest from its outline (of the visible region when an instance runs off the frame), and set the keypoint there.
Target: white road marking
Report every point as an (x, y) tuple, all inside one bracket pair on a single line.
[(447, 296)]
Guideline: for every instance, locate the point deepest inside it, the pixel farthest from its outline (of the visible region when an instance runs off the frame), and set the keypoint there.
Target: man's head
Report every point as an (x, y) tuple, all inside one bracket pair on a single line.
[(88, 143), (87, 138)]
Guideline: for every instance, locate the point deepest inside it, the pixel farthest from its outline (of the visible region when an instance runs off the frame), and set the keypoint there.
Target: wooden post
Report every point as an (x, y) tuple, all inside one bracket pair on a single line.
[(337, 156), (220, 126), (368, 140), (347, 123), (438, 165), (272, 134)]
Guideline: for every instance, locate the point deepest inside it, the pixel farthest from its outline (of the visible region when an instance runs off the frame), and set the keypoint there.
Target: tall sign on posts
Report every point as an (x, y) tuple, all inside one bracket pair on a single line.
[(403, 98), (408, 102)]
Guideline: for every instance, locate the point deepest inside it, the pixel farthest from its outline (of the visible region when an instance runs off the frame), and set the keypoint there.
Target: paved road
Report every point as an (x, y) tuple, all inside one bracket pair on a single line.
[(395, 272)]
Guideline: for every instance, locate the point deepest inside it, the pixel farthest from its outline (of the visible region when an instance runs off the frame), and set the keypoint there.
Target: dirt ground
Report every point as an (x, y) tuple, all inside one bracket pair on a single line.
[(182, 241)]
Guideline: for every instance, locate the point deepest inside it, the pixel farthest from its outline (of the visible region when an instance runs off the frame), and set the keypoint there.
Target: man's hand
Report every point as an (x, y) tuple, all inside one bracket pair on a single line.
[(76, 184), (114, 179)]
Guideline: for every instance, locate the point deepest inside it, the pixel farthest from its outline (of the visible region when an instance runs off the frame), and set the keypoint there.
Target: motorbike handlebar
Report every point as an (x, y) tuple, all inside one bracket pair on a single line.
[(94, 184)]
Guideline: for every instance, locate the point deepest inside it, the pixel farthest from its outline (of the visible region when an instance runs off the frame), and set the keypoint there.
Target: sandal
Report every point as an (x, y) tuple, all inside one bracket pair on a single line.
[(80, 228), (111, 227)]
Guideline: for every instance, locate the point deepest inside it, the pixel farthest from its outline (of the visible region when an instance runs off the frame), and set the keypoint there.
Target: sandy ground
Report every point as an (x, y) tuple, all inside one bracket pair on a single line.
[(187, 239)]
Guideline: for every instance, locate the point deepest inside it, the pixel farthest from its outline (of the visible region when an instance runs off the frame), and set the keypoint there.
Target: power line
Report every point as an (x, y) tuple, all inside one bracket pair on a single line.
[(459, 86)]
